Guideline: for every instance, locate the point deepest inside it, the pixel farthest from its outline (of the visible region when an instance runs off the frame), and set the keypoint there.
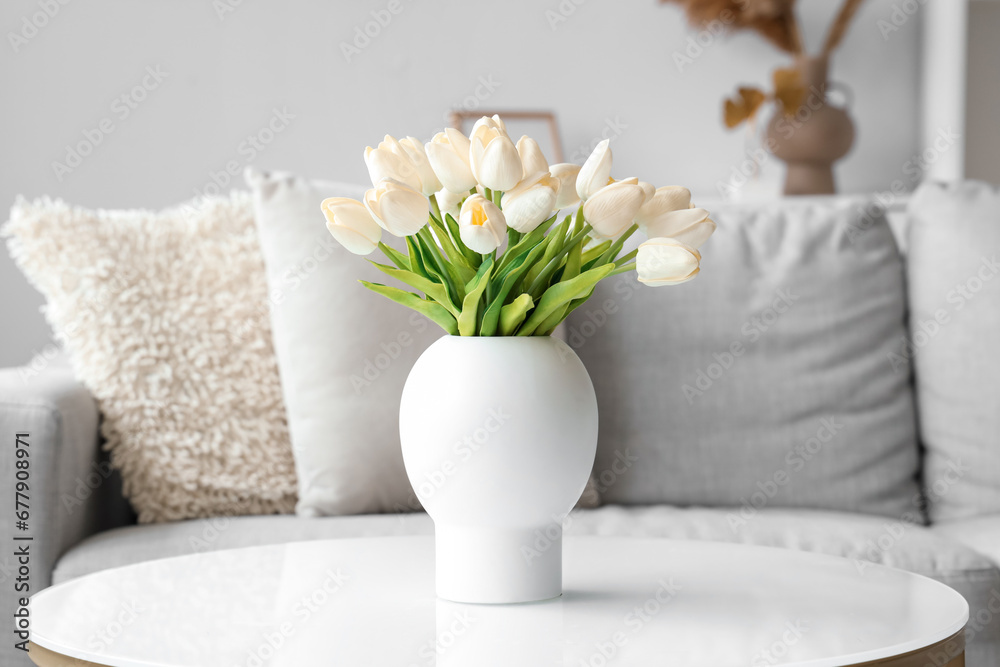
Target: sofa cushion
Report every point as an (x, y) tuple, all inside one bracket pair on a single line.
[(765, 381), (863, 539), (165, 318), (953, 270)]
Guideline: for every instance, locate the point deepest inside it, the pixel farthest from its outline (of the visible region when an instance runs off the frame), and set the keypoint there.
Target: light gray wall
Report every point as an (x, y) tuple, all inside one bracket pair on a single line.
[(606, 63)]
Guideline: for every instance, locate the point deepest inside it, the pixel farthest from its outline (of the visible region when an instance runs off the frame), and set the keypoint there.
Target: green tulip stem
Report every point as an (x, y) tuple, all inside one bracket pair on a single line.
[(435, 209), (612, 253), (497, 196), (488, 193), (489, 286), (624, 259), (622, 269)]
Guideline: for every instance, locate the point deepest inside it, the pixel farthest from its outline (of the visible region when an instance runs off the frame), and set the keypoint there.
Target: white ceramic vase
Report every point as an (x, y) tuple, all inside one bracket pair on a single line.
[(499, 436)]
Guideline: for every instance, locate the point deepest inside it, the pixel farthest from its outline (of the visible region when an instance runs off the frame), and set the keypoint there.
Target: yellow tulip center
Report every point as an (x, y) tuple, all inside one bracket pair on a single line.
[(479, 216)]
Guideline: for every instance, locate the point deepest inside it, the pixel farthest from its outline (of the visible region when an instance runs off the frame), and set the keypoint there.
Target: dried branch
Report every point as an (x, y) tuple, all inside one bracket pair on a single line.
[(775, 20), (839, 27)]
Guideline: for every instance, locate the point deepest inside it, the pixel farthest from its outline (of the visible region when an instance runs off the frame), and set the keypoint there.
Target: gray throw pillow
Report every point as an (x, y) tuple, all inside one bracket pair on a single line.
[(764, 382), (953, 269)]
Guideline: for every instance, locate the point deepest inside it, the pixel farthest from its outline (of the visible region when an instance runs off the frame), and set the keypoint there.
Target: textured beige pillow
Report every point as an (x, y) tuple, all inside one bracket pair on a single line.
[(165, 316)]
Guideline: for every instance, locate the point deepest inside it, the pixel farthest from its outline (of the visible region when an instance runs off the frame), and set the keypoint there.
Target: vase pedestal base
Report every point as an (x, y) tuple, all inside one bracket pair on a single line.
[(489, 566), (810, 178)]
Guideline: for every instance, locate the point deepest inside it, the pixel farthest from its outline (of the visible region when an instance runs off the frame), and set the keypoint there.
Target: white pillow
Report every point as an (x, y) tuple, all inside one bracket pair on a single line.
[(343, 352)]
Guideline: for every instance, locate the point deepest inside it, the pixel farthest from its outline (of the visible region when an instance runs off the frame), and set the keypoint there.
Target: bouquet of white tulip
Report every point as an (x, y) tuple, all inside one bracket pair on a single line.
[(458, 199)]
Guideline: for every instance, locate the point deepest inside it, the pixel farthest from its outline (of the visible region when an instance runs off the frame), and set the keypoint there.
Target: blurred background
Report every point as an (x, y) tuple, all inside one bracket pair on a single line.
[(121, 104)]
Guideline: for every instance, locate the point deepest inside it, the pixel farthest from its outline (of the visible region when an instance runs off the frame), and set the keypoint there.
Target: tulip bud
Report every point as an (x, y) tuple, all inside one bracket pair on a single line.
[(595, 172), (493, 156), (450, 202), (429, 183), (481, 224), (390, 160), (531, 156), (448, 153), (531, 202), (690, 225), (397, 208), (662, 262), (611, 209), (351, 224), (566, 172), (665, 200)]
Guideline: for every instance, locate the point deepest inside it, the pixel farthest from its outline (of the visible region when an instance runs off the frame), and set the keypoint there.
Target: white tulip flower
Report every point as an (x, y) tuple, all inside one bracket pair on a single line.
[(390, 160), (531, 156), (665, 200), (481, 224), (531, 202), (595, 172), (351, 224), (690, 225), (429, 182), (397, 208), (448, 153), (450, 202), (665, 261), (611, 209), (566, 172), (648, 190), (493, 156)]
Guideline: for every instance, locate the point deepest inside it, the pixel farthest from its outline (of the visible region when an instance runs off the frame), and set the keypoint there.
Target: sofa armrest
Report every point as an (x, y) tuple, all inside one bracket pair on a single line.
[(71, 492)]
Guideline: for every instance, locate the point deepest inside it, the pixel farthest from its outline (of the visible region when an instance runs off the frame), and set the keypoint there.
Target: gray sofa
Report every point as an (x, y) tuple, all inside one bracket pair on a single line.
[(81, 523)]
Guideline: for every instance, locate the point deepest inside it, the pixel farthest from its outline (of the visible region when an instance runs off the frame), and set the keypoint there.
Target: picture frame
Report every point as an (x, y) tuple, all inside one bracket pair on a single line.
[(541, 126)]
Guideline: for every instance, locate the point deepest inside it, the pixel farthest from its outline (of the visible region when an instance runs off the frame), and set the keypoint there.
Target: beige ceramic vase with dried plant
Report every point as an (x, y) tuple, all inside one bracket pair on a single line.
[(814, 137), (807, 131)]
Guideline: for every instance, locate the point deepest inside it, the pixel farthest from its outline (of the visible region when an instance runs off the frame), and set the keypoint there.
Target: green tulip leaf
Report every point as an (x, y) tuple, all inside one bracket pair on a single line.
[(394, 256), (456, 236), (433, 290), (469, 316), (561, 294), (574, 260), (438, 268), (455, 256), (513, 277), (416, 260), (552, 321), (593, 253), (525, 245), (544, 279), (514, 313), (554, 243), (432, 310)]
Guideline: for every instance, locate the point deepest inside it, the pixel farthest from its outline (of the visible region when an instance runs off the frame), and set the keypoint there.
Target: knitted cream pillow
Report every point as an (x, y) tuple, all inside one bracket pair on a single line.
[(165, 316)]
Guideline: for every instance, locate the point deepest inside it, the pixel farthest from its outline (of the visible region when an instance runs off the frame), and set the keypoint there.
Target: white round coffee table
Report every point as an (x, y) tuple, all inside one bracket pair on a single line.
[(370, 602)]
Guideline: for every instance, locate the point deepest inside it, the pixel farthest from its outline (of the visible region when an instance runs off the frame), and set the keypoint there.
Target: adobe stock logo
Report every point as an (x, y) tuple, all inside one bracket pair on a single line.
[(33, 24)]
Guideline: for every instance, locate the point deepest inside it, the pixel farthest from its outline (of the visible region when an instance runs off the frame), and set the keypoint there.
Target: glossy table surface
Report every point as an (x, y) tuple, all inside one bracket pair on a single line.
[(371, 602)]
